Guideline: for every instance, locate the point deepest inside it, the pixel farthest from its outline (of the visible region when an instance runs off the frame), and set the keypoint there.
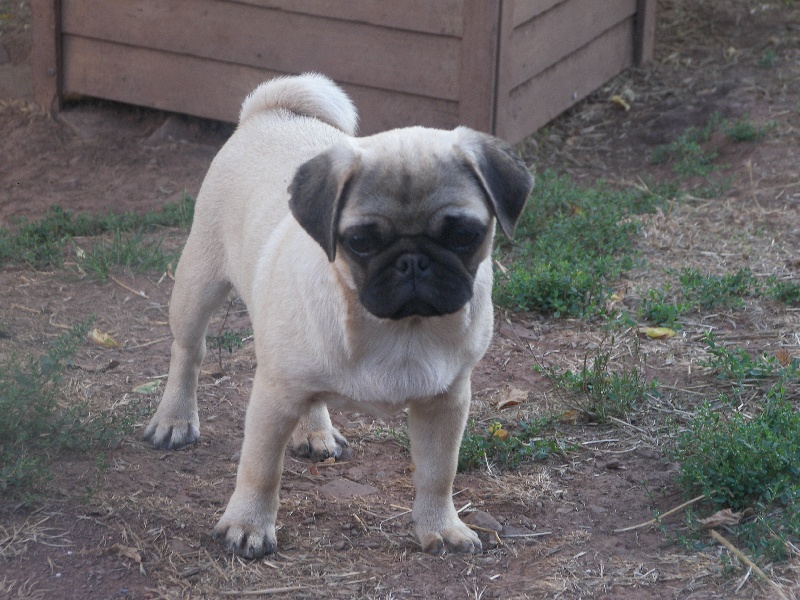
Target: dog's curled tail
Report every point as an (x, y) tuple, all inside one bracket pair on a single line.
[(309, 94)]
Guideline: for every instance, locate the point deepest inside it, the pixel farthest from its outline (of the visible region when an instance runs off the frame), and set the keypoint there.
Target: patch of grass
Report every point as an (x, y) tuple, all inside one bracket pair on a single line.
[(37, 422), (744, 131), (130, 251), (697, 291), (712, 188), (229, 340), (600, 393), (787, 292), (768, 58), (570, 244), (742, 462), (687, 152), (503, 449), (739, 367), (40, 243)]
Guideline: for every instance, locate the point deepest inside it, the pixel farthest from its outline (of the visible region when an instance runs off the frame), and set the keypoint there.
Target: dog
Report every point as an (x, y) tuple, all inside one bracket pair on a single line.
[(365, 265)]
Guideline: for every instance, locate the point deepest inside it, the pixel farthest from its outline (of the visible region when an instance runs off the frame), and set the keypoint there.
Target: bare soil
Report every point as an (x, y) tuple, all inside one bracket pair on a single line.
[(140, 528)]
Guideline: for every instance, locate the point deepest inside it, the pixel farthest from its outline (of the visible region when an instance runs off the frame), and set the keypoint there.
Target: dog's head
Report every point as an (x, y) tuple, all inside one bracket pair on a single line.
[(412, 212)]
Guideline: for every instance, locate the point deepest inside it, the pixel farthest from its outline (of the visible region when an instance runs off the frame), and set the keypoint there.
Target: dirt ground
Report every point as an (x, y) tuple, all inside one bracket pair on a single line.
[(142, 529)]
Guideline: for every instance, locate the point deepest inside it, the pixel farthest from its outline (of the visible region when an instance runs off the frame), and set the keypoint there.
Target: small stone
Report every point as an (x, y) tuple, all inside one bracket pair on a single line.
[(483, 520), (342, 488)]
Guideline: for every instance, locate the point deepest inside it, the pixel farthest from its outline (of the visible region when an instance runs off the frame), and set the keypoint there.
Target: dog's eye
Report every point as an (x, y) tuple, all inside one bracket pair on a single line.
[(461, 238), (362, 244)]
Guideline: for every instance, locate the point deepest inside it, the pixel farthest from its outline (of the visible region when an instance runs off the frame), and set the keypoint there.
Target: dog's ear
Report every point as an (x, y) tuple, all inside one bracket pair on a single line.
[(505, 179), (319, 191)]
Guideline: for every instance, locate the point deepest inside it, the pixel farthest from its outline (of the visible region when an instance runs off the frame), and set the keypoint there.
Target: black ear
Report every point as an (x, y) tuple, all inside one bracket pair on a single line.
[(505, 179), (318, 193)]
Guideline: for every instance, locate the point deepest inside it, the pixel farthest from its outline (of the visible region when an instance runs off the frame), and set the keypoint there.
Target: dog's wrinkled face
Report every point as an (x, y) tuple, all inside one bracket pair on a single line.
[(413, 242), (412, 214)]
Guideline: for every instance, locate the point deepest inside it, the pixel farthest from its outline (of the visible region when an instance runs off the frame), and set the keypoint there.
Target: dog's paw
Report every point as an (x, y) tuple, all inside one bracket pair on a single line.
[(319, 444), (455, 538), (248, 536), (170, 434)]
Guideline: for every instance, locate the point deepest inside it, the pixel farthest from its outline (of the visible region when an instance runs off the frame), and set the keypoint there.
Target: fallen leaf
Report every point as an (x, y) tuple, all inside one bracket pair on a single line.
[(621, 102), (128, 552), (657, 333), (570, 417), (783, 356), (720, 518), (103, 339), (511, 396), (147, 388), (500, 433)]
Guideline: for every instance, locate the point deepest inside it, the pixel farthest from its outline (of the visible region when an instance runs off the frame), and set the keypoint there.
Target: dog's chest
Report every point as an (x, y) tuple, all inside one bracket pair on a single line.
[(394, 369)]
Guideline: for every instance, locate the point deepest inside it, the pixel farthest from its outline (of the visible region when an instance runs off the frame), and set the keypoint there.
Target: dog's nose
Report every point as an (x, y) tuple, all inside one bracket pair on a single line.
[(412, 264)]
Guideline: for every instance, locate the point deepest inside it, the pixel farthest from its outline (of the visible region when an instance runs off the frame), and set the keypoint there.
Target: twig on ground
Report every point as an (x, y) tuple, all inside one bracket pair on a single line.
[(749, 563), (139, 293), (265, 591), (658, 518)]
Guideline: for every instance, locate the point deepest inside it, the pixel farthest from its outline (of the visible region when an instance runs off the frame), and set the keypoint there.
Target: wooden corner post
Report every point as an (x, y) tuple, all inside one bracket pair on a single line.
[(46, 68), (645, 31)]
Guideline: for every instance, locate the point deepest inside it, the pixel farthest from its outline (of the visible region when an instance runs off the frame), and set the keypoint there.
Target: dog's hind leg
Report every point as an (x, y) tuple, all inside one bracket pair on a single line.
[(316, 437), (200, 288)]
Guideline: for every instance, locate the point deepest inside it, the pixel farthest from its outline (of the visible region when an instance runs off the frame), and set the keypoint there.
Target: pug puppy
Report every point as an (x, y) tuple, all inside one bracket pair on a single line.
[(365, 267)]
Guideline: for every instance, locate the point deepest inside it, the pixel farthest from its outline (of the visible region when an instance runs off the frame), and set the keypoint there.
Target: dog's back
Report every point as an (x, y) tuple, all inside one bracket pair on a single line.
[(310, 95), (283, 123)]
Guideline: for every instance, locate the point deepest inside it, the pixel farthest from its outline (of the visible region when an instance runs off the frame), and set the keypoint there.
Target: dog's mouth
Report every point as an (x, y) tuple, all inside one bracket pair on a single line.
[(414, 285)]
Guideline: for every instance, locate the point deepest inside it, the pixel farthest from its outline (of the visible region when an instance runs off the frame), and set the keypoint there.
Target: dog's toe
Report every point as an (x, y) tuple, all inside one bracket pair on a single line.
[(171, 435), (321, 444), (246, 542), (456, 538)]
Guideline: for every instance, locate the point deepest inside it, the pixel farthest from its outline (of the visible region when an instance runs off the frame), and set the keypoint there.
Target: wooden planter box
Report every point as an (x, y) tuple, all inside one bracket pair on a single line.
[(502, 66)]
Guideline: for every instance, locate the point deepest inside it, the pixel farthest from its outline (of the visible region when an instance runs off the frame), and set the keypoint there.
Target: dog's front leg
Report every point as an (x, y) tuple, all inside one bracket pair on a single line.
[(435, 427), (248, 524)]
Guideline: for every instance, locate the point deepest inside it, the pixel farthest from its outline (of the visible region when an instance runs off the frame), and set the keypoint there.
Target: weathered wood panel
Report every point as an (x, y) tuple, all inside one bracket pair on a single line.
[(443, 17), (559, 32), (503, 66), (280, 41), (479, 55), (214, 89), (523, 11), (545, 96)]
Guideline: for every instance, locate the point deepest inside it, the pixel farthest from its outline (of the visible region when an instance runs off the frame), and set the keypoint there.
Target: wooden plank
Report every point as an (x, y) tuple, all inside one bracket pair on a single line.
[(444, 17), (525, 10), (559, 32), (276, 40), (214, 89), (548, 94), (46, 53), (645, 31), (479, 55)]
